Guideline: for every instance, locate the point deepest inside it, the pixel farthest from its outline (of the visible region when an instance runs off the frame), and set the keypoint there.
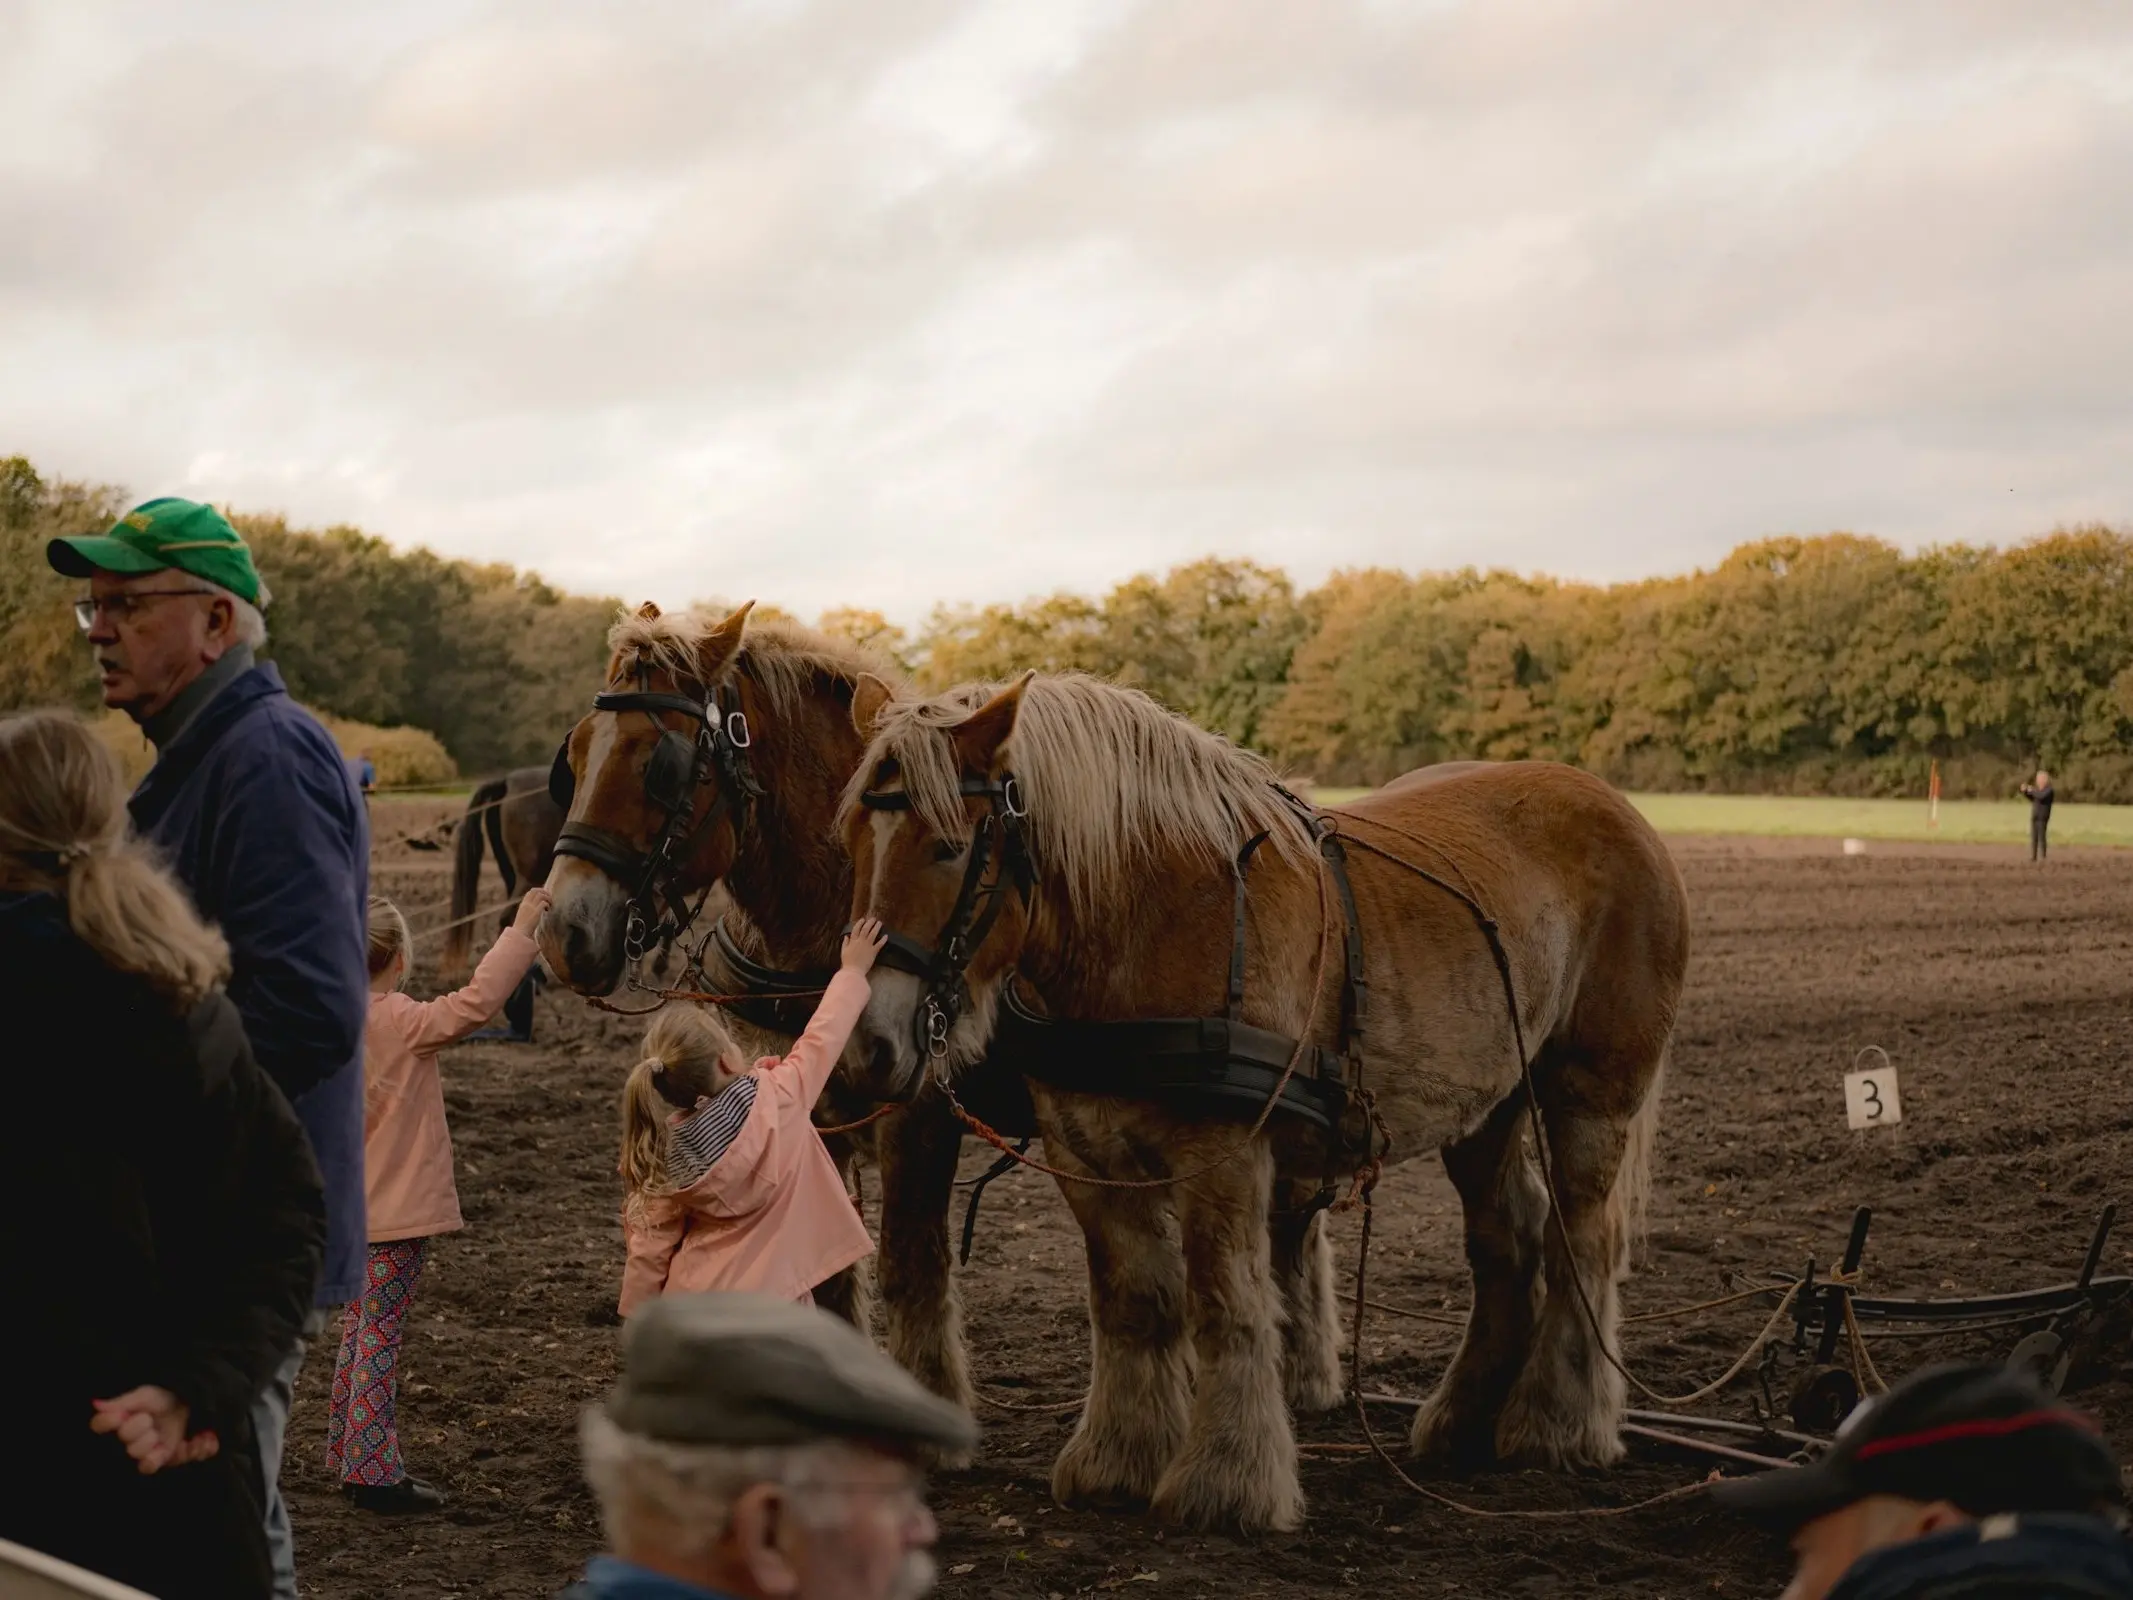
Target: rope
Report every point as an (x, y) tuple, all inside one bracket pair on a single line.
[(1862, 1361), (1057, 1406), (471, 916), (868, 1120), (1645, 1316), (999, 1141)]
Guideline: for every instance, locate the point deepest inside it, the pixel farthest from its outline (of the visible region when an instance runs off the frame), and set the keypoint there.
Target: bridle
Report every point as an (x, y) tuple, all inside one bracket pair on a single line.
[(978, 904), (658, 908)]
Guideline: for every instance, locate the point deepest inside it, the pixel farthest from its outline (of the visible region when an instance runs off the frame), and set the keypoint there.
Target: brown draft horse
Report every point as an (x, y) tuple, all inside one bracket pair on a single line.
[(779, 862), (518, 821), (1132, 820)]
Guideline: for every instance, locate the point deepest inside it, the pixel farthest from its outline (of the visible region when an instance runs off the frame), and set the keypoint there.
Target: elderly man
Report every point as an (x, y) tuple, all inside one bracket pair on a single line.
[(255, 810), (756, 1447), (1960, 1481)]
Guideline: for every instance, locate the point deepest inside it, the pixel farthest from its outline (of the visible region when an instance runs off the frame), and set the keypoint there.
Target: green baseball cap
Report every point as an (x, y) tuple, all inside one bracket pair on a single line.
[(161, 535)]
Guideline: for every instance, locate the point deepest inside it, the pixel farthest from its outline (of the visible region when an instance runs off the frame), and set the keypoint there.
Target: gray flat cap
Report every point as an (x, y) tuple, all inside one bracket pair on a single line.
[(747, 1369)]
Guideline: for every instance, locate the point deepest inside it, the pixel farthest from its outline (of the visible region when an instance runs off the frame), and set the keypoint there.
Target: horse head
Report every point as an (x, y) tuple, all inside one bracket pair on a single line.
[(934, 826), (656, 786)]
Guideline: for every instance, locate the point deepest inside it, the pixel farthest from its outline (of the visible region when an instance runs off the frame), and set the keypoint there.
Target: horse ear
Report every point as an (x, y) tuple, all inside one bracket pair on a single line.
[(648, 611), (870, 696), (978, 737), (723, 642)]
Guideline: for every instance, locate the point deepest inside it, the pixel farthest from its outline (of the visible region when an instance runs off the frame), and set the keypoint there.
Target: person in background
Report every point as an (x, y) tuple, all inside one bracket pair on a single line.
[(1960, 1481), (366, 773), (252, 805), (161, 1218), (410, 1195), (727, 1185), (755, 1448), (2038, 792)]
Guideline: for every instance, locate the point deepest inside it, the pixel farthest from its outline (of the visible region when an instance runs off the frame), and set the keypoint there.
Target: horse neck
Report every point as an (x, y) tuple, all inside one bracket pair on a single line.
[(1162, 950), (791, 877)]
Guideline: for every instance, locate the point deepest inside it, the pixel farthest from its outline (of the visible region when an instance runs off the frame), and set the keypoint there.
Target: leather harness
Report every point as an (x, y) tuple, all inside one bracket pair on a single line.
[(659, 908), (1222, 1065)]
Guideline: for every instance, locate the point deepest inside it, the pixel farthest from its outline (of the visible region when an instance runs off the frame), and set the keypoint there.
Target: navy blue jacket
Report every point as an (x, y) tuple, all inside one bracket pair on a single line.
[(253, 808), (2031, 1557)]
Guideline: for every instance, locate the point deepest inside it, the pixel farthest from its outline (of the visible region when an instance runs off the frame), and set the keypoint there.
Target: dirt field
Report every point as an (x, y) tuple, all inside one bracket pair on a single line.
[(2000, 991)]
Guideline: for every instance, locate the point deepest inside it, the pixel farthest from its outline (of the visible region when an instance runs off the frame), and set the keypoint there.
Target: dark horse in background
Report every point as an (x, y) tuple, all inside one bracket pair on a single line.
[(519, 822)]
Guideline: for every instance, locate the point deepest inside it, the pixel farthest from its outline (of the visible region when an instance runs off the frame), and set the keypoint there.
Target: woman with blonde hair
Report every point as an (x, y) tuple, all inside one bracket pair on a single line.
[(161, 1218), (726, 1183)]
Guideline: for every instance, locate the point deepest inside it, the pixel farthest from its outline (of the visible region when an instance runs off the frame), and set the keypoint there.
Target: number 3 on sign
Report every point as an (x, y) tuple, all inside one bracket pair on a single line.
[(1871, 1099)]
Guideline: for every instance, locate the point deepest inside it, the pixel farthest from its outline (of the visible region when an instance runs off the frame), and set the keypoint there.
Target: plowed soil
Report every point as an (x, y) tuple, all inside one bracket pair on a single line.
[(1999, 990)]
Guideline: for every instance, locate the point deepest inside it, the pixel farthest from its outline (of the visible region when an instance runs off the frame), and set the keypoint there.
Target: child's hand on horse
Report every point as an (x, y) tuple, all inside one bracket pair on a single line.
[(531, 910), (863, 943)]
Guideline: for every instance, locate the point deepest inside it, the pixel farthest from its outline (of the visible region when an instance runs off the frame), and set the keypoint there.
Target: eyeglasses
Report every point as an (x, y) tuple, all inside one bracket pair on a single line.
[(121, 607)]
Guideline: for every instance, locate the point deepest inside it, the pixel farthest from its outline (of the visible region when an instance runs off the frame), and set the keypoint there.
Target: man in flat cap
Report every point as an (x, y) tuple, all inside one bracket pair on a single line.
[(758, 1448), (1960, 1481), (252, 805)]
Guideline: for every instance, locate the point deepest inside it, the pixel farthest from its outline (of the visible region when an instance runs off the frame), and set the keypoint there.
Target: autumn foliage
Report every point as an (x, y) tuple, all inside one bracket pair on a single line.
[(1835, 664)]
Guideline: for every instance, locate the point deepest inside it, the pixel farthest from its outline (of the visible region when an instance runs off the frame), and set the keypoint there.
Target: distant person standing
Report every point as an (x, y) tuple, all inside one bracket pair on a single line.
[(256, 812), (2038, 792), (366, 773)]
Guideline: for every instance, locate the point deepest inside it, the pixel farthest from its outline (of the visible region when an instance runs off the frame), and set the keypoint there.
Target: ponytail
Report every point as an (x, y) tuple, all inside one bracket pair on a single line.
[(644, 1135), (63, 831)]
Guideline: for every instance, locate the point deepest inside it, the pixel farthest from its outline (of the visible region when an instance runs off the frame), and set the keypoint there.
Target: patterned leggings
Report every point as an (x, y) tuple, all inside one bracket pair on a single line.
[(362, 1435)]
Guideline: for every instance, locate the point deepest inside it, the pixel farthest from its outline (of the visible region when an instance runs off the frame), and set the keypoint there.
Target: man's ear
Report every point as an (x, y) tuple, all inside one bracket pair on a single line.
[(221, 627), (761, 1540)]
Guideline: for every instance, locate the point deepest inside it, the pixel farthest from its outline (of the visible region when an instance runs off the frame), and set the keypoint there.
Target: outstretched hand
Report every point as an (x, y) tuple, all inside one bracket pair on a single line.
[(150, 1422), (862, 944), (531, 910)]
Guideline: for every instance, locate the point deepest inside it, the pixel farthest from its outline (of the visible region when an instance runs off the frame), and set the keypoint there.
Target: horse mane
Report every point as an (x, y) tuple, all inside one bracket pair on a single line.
[(784, 659), (1110, 779)]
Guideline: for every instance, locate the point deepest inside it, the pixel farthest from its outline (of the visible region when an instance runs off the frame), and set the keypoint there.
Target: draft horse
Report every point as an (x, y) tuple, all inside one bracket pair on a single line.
[(1065, 852), (714, 759), (518, 821)]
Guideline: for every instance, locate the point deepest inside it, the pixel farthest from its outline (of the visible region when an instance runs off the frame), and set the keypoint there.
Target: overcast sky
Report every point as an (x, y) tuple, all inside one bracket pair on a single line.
[(892, 301)]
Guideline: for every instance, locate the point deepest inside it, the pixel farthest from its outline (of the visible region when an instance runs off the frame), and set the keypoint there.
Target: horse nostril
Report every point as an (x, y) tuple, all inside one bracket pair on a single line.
[(577, 947)]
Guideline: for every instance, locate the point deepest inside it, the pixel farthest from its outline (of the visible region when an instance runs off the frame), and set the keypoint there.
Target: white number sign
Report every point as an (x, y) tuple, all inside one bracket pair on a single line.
[(1871, 1099)]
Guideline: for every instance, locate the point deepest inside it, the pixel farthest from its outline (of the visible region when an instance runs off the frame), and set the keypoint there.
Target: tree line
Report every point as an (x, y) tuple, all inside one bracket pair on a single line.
[(1834, 664)]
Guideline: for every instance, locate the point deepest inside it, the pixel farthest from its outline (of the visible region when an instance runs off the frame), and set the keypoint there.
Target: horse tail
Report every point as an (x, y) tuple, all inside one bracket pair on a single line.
[(1631, 1199), (466, 875)]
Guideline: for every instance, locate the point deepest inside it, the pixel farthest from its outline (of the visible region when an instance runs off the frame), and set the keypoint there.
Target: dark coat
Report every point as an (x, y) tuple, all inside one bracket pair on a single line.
[(2039, 1557), (253, 807), (161, 1222)]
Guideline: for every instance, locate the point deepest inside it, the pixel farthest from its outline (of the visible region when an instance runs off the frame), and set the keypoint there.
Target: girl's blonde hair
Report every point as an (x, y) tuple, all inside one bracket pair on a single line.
[(63, 831), (686, 1055), (385, 934)]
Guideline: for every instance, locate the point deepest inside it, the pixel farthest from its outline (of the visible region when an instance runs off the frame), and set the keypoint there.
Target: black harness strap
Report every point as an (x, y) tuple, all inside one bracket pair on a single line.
[(978, 904), (658, 906)]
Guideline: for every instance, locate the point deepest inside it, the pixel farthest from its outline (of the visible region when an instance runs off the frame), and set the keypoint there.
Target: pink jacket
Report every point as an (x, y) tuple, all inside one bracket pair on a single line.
[(771, 1214), (407, 1150)]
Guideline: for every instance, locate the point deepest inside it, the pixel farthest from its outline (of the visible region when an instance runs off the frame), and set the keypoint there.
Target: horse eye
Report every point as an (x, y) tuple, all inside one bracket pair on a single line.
[(946, 850)]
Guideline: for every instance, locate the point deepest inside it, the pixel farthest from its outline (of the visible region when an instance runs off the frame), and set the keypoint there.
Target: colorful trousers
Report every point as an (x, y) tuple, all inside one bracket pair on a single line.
[(362, 1433)]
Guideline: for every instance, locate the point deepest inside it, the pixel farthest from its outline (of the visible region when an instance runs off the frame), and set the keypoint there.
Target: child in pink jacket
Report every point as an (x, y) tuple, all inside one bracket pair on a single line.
[(737, 1191), (407, 1181)]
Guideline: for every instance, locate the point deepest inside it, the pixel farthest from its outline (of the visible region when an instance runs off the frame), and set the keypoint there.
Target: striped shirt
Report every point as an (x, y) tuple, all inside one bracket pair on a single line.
[(695, 1143)]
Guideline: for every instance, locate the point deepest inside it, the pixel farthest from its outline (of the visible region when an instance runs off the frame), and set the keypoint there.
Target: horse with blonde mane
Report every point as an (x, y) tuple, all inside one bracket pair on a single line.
[(1084, 855), (786, 692)]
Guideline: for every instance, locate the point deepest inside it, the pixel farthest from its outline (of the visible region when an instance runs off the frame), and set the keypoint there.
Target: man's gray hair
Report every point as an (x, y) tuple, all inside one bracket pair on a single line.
[(251, 623), (680, 1496)]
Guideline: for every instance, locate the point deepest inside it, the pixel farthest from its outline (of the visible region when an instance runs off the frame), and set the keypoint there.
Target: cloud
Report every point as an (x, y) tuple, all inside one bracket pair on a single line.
[(923, 300)]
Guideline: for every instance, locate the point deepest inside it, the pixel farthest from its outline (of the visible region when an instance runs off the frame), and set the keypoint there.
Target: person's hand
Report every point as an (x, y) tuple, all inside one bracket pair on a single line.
[(150, 1423), (531, 910), (863, 944)]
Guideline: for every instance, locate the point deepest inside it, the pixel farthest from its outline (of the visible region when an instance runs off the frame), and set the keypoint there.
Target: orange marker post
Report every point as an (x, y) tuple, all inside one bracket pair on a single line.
[(1933, 798)]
